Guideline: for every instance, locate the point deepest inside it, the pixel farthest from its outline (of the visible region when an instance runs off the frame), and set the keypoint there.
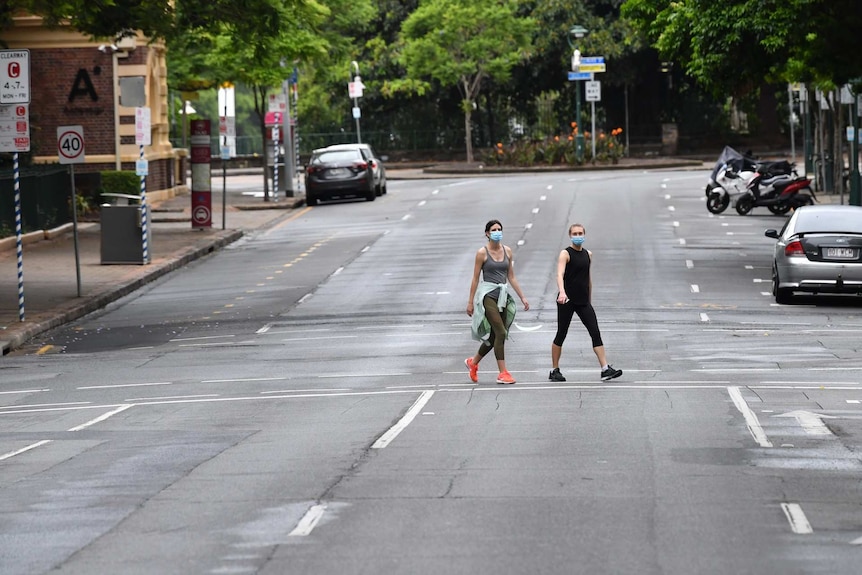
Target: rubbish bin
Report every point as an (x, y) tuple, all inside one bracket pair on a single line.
[(122, 241)]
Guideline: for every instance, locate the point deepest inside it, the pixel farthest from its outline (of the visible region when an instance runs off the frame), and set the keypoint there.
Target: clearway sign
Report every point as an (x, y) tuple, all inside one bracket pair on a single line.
[(14, 76)]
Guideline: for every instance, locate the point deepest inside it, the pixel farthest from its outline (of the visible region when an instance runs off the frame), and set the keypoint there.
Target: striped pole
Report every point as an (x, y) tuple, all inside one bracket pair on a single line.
[(296, 131), (144, 234), (19, 242), (275, 151)]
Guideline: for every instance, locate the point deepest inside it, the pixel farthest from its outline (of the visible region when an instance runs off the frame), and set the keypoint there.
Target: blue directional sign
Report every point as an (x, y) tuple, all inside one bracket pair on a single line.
[(580, 76), (592, 59)]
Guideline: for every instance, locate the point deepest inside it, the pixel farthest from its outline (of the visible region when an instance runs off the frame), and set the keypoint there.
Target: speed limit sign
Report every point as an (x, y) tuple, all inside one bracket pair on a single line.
[(70, 144)]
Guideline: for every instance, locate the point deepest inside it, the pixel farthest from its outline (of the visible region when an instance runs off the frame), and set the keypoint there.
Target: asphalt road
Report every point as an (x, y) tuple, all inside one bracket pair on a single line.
[(297, 403)]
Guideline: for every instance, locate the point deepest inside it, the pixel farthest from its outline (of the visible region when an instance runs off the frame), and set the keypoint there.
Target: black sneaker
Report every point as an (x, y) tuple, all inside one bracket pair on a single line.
[(611, 373), (555, 375)]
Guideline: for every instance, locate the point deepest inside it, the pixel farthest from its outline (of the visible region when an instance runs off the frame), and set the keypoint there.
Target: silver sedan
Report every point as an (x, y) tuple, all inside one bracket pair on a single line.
[(819, 250)]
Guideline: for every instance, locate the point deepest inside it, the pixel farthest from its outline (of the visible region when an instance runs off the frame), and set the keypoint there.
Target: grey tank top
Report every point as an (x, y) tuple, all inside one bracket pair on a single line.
[(495, 272)]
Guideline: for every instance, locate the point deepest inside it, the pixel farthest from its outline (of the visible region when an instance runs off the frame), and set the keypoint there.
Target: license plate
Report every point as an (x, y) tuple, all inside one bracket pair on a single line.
[(841, 253), (337, 172)]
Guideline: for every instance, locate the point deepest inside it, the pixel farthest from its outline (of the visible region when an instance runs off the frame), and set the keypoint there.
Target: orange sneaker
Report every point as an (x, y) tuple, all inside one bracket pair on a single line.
[(505, 377), (474, 369)]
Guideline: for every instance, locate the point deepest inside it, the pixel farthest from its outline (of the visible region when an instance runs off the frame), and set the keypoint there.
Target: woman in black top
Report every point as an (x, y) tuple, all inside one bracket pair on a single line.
[(575, 290)]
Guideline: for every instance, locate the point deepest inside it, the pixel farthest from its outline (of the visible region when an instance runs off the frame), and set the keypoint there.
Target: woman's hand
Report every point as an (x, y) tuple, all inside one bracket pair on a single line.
[(470, 309), (562, 298), (526, 304)]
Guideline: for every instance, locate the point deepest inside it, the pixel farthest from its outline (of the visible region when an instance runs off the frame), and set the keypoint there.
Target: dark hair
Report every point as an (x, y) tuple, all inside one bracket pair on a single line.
[(491, 223), (577, 226)]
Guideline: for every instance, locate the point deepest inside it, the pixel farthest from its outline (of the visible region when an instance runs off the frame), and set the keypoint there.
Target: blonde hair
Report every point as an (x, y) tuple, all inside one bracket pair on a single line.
[(577, 226)]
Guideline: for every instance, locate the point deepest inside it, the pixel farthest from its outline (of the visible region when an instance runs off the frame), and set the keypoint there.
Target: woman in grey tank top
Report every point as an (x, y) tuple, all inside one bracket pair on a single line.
[(490, 304)]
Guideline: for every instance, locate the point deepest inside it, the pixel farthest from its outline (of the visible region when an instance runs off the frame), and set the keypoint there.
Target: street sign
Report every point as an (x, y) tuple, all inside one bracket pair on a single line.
[(594, 91), (591, 67), (142, 167), (70, 144), (580, 76), (142, 126), (355, 89), (277, 103), (14, 76), (15, 128), (592, 60)]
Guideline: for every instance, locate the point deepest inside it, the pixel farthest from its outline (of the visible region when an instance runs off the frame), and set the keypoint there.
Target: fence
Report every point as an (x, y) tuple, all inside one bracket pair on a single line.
[(45, 198)]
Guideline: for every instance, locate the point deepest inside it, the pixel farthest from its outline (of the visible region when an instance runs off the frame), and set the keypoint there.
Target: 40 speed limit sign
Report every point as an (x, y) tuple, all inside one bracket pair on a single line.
[(70, 144)]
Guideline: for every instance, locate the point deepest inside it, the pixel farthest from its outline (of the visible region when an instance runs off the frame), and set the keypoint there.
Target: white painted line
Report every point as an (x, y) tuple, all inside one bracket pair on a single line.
[(124, 385), (761, 281), (528, 226), (265, 328), (521, 242), (305, 390), (671, 208), (402, 424), (308, 521), (436, 192), (319, 338), (23, 391), (834, 368), (422, 203), (102, 417), (303, 298), (405, 218), (682, 241), (798, 522), (733, 369), (365, 249), (704, 317), (240, 380), (750, 417), (339, 375), (174, 397), (31, 405), (749, 267), (200, 338), (543, 198), (24, 449), (337, 271), (695, 288), (689, 264), (220, 344), (676, 224), (667, 196), (765, 293), (856, 541), (550, 187), (535, 210), (852, 400), (811, 423)]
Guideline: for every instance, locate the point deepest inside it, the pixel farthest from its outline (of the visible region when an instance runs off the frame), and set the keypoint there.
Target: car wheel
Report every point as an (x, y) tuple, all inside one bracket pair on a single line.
[(371, 195), (311, 200), (384, 187), (782, 295), (378, 191), (744, 204)]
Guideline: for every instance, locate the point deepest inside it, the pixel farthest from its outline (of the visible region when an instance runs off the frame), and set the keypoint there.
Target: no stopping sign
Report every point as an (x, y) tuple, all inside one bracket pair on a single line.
[(70, 144)]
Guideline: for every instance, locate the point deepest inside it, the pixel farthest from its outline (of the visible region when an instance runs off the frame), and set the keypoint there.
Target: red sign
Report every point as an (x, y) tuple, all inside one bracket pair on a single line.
[(201, 177)]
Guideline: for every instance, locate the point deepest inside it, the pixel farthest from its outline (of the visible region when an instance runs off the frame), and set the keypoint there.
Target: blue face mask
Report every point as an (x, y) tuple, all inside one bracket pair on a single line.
[(496, 236), (578, 240)]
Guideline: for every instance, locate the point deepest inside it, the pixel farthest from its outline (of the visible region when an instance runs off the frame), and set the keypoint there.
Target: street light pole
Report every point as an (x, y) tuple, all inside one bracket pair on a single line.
[(575, 34)]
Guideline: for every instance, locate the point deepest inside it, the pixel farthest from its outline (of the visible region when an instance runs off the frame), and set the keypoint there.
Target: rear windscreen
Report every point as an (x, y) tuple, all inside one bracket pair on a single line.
[(337, 156), (849, 221)]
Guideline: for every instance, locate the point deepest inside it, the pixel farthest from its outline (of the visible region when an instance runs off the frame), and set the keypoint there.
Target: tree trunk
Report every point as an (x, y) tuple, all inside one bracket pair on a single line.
[(467, 130), (259, 103)]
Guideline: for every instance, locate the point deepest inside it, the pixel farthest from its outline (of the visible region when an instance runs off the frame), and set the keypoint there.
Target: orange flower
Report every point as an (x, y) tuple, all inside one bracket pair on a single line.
[(556, 138), (571, 138), (602, 136), (499, 144), (574, 124), (586, 134), (611, 145)]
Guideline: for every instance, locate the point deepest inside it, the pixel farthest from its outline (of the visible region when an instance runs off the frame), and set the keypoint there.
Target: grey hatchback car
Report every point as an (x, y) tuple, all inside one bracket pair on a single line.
[(819, 250), (338, 174)]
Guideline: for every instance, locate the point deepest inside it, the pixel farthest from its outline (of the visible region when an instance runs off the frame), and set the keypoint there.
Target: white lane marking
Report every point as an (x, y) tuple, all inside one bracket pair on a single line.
[(174, 397), (308, 521), (852, 400), (265, 328), (811, 423), (704, 317), (676, 224), (365, 249), (682, 241), (521, 328), (796, 517), (733, 369), (550, 187), (689, 264), (535, 210), (245, 379), (303, 298), (667, 196), (695, 288), (337, 271), (422, 203), (521, 242), (402, 424), (124, 385), (319, 338), (436, 192), (46, 404), (834, 368), (761, 280), (765, 293), (102, 417), (220, 344), (856, 541), (23, 391), (528, 226), (405, 218), (750, 417), (304, 390), (749, 267), (24, 449), (543, 198), (338, 375), (200, 338), (671, 208)]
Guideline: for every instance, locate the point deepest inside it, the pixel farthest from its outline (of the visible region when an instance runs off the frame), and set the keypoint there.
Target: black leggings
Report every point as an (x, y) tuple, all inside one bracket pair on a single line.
[(587, 315), (497, 340)]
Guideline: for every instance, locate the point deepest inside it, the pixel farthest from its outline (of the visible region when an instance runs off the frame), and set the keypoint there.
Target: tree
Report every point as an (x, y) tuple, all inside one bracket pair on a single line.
[(460, 43)]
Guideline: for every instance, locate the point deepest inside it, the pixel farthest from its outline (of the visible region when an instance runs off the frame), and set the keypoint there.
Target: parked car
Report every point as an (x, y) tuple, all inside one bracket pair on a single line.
[(819, 250), (334, 174), (376, 163)]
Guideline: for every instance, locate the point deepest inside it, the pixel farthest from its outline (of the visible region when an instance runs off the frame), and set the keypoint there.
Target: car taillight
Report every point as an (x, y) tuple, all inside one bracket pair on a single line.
[(310, 170), (360, 166), (794, 248)]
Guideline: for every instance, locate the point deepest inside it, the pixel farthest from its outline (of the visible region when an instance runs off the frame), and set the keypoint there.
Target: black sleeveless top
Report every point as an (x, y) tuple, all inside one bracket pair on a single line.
[(576, 276)]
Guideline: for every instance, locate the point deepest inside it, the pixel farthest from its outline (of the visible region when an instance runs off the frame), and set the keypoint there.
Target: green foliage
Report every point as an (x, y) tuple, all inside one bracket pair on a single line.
[(120, 182), (559, 150)]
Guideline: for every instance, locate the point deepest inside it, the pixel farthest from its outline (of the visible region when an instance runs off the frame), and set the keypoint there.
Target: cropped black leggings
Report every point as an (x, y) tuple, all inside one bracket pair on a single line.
[(587, 315), (497, 340)]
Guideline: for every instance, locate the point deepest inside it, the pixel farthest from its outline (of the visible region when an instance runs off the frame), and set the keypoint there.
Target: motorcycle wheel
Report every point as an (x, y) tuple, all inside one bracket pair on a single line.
[(744, 204), (779, 209), (717, 202)]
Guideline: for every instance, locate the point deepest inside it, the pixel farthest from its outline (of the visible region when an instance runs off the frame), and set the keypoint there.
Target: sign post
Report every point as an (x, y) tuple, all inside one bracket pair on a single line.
[(15, 89), (201, 177), (593, 90), (70, 150)]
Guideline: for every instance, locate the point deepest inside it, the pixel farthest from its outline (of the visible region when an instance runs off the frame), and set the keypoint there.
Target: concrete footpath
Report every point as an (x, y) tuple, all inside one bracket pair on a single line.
[(50, 283)]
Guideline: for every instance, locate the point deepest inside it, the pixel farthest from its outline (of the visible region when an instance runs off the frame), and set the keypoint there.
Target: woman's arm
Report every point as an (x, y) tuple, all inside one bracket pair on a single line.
[(562, 260), (513, 281), (477, 267)]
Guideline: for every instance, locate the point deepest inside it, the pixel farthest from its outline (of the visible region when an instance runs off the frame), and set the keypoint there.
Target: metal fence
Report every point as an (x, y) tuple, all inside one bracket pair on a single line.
[(45, 198)]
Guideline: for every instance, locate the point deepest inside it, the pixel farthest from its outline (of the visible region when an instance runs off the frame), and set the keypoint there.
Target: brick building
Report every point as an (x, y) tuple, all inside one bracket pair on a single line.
[(75, 81)]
